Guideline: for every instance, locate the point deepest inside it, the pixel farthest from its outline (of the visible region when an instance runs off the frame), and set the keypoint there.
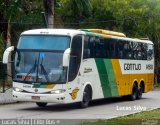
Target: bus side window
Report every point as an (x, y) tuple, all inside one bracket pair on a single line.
[(92, 46), (139, 51), (131, 50), (86, 51), (120, 49), (110, 48), (113, 48), (99, 48), (144, 51), (75, 58), (150, 52), (102, 47), (127, 50), (106, 48), (135, 53), (116, 49)]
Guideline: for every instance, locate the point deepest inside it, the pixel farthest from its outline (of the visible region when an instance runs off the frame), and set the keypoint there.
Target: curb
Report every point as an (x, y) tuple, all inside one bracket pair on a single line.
[(6, 98)]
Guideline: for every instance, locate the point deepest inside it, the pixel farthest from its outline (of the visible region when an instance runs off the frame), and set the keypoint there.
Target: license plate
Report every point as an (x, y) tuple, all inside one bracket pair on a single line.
[(36, 97)]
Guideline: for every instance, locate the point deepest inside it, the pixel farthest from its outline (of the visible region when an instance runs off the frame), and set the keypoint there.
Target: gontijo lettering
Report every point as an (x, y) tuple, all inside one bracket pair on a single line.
[(132, 66)]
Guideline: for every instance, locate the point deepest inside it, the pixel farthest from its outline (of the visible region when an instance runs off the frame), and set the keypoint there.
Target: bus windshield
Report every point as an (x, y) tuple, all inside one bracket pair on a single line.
[(44, 42), (39, 59)]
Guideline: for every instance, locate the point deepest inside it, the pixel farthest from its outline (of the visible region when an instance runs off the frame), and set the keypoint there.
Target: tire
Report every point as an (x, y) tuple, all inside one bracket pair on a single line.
[(86, 98), (134, 94), (41, 104), (139, 95)]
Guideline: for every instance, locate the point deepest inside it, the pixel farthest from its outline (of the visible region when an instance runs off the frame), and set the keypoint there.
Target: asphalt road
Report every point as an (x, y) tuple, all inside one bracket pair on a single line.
[(99, 109)]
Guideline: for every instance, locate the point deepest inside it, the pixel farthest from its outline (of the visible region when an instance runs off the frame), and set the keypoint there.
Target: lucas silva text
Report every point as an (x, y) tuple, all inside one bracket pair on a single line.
[(129, 108)]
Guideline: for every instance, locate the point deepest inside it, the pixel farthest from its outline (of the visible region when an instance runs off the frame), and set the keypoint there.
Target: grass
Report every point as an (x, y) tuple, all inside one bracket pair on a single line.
[(8, 84), (146, 117), (157, 87)]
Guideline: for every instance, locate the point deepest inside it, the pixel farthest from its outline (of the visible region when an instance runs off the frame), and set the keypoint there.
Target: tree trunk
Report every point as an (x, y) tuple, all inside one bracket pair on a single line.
[(8, 44), (51, 14), (49, 8)]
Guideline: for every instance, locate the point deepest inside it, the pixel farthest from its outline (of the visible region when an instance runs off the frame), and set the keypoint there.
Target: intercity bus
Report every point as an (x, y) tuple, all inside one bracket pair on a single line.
[(77, 66)]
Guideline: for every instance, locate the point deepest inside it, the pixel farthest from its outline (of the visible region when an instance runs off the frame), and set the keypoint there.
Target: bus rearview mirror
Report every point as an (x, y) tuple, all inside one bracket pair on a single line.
[(66, 57), (7, 53)]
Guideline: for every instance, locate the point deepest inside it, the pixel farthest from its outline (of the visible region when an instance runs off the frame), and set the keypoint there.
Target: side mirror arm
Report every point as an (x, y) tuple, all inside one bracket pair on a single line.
[(7, 53), (66, 57)]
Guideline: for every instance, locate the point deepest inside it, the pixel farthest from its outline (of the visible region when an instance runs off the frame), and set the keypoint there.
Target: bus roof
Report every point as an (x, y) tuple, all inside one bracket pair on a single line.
[(105, 32), (133, 39), (67, 32), (115, 35)]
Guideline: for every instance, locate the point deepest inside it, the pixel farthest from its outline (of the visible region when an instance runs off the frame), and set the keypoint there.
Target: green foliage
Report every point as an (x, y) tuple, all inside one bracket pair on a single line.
[(157, 87), (133, 119), (74, 11), (138, 19), (134, 18), (21, 15)]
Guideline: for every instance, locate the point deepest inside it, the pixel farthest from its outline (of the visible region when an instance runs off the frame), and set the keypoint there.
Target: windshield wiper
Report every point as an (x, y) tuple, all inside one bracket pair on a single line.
[(43, 69), (44, 72), (31, 70)]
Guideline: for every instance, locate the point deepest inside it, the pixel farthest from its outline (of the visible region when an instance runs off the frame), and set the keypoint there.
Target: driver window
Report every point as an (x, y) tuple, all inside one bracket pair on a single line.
[(75, 58)]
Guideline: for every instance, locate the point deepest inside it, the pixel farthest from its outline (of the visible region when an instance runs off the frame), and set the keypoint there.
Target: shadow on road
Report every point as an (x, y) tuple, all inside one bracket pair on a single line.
[(74, 106)]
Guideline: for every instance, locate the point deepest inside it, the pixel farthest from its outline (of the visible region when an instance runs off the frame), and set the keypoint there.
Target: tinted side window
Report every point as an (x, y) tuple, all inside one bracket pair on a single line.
[(98, 47), (110, 48), (75, 58), (150, 52), (86, 50), (89, 47), (144, 51), (127, 50)]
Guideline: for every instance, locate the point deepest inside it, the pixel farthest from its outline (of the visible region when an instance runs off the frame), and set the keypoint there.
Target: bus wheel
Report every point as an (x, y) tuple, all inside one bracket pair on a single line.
[(86, 98), (41, 104), (139, 95), (134, 94)]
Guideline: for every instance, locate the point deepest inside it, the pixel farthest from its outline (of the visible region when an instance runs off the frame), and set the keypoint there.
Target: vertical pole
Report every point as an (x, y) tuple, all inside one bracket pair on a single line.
[(45, 19), (50, 13), (49, 10), (3, 77), (9, 68)]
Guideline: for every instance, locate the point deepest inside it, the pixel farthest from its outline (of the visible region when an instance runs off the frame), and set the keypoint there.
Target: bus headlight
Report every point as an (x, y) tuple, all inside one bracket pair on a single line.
[(17, 89), (58, 91)]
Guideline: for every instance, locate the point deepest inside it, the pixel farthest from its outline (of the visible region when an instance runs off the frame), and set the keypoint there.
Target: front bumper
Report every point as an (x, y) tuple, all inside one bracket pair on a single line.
[(49, 98)]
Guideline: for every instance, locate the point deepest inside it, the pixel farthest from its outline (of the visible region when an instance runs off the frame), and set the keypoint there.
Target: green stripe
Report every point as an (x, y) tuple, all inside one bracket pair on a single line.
[(43, 86), (107, 77), (36, 86), (39, 86), (92, 34)]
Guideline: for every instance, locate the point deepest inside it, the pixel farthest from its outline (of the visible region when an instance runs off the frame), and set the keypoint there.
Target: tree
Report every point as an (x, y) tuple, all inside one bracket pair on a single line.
[(134, 18), (49, 10), (9, 15), (15, 15), (74, 11)]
